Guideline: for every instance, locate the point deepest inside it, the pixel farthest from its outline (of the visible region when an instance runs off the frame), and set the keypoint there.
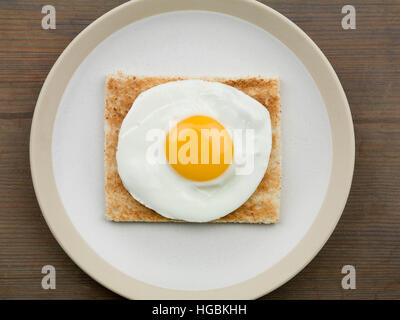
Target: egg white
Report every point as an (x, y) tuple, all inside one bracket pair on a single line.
[(157, 185)]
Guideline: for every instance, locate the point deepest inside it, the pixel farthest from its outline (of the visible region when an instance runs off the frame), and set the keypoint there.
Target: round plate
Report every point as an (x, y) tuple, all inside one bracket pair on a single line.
[(209, 38)]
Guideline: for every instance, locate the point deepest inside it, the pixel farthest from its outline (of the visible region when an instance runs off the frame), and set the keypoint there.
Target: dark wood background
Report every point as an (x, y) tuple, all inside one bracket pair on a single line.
[(367, 61)]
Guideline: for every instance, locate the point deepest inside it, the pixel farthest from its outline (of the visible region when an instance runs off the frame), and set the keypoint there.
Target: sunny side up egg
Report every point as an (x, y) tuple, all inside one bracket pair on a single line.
[(194, 150)]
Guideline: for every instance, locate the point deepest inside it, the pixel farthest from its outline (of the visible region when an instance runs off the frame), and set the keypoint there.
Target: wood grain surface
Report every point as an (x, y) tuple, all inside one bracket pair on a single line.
[(367, 61)]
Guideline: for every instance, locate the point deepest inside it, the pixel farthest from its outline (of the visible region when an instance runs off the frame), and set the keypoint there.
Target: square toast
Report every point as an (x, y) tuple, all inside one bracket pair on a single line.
[(122, 90)]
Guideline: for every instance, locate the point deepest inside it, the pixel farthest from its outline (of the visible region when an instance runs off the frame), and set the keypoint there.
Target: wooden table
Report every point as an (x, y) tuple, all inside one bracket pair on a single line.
[(367, 61)]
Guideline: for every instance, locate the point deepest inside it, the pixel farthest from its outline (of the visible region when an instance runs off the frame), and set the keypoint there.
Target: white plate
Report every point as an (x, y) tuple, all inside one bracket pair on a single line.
[(189, 257)]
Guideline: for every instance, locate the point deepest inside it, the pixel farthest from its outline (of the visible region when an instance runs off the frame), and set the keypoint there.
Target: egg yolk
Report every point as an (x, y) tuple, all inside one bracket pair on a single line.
[(199, 148)]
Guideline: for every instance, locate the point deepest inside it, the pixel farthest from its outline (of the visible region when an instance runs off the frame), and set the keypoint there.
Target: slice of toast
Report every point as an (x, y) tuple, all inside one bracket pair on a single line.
[(121, 92)]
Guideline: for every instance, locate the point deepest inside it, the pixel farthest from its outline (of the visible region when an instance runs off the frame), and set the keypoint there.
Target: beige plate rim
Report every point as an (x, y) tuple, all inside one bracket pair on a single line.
[(256, 13)]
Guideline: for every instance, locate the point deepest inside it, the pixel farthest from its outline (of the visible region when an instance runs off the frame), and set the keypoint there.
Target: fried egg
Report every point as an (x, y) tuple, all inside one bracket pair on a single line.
[(194, 150)]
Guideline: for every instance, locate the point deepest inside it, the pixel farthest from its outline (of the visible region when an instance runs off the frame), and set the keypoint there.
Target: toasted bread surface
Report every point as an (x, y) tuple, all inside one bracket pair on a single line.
[(121, 91)]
